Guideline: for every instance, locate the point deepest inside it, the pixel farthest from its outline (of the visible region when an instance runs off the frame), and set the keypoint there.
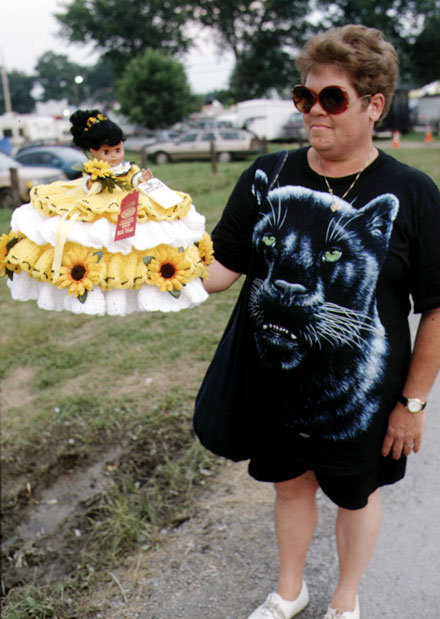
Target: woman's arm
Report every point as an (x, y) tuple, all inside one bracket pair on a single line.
[(219, 277), (404, 427)]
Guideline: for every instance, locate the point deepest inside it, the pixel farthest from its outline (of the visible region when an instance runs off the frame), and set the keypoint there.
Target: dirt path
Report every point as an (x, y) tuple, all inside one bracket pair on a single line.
[(220, 564)]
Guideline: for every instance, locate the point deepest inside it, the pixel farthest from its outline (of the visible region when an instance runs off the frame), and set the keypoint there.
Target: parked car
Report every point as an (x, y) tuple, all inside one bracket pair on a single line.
[(64, 158), (229, 144), (138, 142), (294, 128), (27, 178)]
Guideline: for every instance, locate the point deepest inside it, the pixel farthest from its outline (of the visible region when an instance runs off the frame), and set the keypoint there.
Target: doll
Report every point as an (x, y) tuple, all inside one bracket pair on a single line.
[(114, 241), (103, 139)]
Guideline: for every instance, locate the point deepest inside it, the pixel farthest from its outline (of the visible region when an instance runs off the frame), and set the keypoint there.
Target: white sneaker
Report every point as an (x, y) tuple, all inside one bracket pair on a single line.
[(335, 613), (275, 607)]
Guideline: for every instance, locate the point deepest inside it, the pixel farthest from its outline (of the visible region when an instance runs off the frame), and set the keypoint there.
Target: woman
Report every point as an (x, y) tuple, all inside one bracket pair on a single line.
[(333, 253)]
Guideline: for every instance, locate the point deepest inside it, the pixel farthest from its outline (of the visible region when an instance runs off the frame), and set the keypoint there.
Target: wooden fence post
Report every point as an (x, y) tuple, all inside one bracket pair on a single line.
[(143, 157), (15, 192), (213, 158)]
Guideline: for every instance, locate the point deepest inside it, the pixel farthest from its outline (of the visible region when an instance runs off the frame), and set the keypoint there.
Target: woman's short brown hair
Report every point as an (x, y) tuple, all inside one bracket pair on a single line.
[(370, 61)]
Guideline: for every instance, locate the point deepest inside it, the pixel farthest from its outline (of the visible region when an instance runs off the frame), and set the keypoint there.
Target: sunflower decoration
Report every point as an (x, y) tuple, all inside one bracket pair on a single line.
[(100, 171), (80, 271), (7, 242), (206, 252), (169, 269), (97, 169)]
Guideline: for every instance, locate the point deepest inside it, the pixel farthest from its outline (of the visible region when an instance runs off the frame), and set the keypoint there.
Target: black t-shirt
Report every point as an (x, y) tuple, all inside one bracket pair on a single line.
[(327, 312)]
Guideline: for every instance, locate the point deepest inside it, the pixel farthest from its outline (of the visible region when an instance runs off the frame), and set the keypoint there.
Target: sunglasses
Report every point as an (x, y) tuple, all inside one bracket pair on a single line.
[(333, 99)]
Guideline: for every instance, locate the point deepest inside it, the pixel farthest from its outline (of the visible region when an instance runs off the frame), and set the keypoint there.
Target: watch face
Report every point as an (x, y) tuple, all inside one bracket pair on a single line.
[(414, 406)]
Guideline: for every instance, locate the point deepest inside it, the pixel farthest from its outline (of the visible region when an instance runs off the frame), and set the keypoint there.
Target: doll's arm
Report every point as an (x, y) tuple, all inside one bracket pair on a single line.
[(142, 176), (146, 174)]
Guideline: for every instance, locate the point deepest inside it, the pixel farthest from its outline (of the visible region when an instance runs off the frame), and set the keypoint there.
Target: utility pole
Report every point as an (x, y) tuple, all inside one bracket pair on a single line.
[(5, 84)]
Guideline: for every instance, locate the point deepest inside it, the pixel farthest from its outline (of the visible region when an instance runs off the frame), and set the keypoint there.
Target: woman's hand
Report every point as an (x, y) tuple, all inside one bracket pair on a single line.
[(405, 431), (405, 428)]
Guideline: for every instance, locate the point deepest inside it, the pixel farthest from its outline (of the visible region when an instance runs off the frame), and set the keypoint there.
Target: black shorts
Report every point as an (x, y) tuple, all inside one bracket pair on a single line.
[(348, 491)]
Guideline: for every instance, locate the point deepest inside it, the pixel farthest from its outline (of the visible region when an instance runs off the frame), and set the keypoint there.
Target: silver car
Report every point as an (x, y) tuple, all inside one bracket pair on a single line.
[(27, 178), (229, 144)]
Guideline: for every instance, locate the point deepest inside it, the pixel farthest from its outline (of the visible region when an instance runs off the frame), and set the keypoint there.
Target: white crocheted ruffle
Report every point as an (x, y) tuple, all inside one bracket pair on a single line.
[(101, 233), (116, 302)]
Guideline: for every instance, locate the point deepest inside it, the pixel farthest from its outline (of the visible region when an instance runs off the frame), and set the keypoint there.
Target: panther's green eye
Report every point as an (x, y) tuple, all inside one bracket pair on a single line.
[(269, 240), (332, 255)]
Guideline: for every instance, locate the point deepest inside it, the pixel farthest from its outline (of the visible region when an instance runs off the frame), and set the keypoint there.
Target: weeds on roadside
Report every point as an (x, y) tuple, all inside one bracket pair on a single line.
[(150, 494), (32, 602)]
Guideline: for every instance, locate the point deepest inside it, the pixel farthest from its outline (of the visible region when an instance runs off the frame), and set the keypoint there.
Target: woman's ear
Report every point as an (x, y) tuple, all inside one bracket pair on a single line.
[(376, 106)]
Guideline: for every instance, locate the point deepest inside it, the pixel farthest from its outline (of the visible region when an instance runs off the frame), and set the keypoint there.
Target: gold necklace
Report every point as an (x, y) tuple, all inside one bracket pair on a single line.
[(330, 190)]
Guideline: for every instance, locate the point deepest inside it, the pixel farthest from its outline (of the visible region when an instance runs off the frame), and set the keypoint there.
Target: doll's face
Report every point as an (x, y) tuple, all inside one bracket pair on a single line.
[(112, 154)]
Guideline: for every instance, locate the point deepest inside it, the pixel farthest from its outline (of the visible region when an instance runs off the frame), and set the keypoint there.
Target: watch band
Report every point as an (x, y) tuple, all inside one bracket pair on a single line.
[(413, 405)]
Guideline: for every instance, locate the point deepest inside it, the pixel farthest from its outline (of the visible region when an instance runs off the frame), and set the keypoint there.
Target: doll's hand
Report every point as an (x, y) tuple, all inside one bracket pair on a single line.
[(147, 174)]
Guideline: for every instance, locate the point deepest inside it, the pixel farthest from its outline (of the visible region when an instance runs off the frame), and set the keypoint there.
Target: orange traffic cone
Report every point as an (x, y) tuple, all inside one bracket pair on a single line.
[(396, 139), (428, 134)]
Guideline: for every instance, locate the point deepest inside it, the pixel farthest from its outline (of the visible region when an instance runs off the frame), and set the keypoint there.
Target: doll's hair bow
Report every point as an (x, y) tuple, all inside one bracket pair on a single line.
[(93, 120)]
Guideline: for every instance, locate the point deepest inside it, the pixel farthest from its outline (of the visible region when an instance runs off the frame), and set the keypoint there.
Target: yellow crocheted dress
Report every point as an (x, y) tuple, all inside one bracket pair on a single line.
[(62, 251)]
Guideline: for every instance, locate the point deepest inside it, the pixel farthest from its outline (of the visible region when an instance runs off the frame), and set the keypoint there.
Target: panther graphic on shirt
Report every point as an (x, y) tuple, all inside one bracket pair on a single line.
[(313, 305)]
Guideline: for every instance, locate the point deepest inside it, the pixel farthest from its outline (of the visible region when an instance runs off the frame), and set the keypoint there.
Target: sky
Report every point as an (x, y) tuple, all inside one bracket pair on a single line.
[(28, 29)]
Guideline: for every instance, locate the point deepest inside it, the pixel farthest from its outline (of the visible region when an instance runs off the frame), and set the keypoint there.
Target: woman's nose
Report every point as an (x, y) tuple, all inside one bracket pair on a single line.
[(317, 108)]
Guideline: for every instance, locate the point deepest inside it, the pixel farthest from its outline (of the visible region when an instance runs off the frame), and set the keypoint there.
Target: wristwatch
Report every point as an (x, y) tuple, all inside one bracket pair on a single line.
[(413, 405)]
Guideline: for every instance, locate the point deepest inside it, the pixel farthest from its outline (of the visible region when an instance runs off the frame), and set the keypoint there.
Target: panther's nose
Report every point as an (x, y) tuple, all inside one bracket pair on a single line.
[(289, 287)]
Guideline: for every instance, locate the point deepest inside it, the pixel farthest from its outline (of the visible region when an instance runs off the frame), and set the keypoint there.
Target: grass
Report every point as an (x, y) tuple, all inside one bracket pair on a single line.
[(129, 381)]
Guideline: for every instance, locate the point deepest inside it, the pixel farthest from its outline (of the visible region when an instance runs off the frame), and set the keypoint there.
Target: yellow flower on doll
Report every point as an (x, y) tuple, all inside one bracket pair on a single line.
[(204, 255), (206, 249), (97, 169), (80, 271), (169, 269), (7, 241)]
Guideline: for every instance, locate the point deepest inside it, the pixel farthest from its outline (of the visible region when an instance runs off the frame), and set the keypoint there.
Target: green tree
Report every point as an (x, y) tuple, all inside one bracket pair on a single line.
[(278, 23), (265, 33), (401, 21), (426, 53), (99, 82), (154, 91), (123, 29), (263, 36), (260, 70), (56, 75), (20, 87)]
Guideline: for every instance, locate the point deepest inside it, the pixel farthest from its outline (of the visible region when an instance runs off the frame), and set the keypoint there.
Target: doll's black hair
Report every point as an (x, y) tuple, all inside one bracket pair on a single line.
[(92, 129)]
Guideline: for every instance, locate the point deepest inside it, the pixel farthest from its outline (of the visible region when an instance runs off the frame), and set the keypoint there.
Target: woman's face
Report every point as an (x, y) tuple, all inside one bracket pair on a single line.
[(338, 135), (114, 155)]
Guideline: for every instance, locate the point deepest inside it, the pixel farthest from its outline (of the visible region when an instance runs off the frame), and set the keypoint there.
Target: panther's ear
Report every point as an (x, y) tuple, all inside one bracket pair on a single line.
[(259, 186), (379, 215)]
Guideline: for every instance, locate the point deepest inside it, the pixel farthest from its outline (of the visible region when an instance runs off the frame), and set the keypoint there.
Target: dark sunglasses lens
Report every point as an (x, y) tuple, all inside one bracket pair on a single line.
[(333, 100), (303, 99)]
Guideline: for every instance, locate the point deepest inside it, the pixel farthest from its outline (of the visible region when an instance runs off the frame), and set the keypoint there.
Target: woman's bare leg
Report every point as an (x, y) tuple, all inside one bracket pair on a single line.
[(357, 532), (295, 522)]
